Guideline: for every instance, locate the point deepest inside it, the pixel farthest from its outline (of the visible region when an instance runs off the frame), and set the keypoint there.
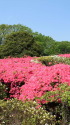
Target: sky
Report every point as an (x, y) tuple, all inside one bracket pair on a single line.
[(48, 17)]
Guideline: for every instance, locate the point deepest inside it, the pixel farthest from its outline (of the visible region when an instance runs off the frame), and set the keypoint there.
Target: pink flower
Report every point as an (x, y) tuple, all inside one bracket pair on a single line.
[(27, 80), (38, 106)]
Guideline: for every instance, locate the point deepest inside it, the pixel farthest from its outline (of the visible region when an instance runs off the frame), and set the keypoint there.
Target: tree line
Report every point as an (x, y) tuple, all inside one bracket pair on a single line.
[(19, 40)]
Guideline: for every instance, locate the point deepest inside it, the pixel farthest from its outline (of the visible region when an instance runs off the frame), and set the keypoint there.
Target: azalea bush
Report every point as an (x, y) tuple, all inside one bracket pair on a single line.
[(52, 60), (64, 55), (26, 79), (15, 112), (58, 103)]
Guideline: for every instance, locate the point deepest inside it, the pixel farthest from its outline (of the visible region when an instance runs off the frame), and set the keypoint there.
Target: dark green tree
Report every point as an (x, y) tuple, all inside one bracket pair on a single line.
[(20, 43), (8, 29), (48, 44), (63, 47)]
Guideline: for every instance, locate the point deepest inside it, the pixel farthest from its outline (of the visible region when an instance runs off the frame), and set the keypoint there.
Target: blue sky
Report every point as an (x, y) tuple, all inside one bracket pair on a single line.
[(49, 17)]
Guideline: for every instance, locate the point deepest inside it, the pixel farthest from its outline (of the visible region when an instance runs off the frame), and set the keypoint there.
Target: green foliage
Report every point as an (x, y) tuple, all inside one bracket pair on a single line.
[(52, 60), (43, 45), (60, 102), (16, 112), (48, 44), (3, 90), (62, 93), (18, 44), (63, 47), (8, 29)]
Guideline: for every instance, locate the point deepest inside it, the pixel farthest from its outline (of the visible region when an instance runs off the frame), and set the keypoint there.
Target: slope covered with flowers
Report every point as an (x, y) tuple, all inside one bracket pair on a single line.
[(26, 79)]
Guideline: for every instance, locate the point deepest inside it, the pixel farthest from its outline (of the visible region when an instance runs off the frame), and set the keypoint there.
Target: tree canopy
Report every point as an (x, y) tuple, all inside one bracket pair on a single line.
[(20, 43), (8, 29), (19, 40)]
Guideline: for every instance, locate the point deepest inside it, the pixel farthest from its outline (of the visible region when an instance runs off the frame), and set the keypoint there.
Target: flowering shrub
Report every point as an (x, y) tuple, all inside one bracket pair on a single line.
[(64, 55), (59, 103), (46, 80), (15, 112), (27, 80), (52, 60)]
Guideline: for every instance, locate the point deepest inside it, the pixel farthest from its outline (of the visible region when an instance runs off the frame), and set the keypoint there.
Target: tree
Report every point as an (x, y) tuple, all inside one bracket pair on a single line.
[(20, 43), (48, 44), (63, 47), (8, 29)]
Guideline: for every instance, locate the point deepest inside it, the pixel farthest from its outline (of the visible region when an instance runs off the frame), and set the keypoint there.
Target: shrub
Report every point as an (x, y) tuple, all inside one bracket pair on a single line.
[(59, 103), (27, 80), (52, 60), (15, 112), (3, 90), (64, 55)]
